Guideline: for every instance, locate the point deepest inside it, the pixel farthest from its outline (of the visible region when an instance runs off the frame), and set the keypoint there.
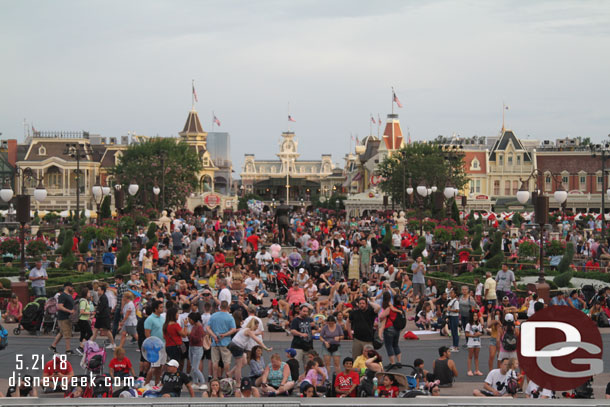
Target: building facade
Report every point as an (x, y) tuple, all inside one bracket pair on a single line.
[(289, 178)]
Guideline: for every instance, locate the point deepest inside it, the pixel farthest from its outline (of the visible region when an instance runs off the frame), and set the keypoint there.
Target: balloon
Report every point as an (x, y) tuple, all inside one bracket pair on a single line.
[(151, 349)]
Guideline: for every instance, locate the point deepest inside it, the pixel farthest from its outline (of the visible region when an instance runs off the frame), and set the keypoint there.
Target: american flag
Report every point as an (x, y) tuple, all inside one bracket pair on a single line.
[(216, 121), (378, 119), (195, 92), (397, 101), (290, 119), (373, 120)]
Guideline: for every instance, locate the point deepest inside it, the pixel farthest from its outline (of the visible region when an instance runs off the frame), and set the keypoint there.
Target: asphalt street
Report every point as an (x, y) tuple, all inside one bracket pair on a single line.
[(32, 349)]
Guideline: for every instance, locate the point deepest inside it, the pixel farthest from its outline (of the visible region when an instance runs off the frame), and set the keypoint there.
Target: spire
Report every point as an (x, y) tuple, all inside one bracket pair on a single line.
[(192, 125), (392, 134)]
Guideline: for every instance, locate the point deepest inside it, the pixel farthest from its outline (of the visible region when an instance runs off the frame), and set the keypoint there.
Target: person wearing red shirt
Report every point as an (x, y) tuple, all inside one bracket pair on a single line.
[(347, 381), (155, 253), (173, 334), (75, 244), (120, 365), (592, 265), (389, 388), (253, 240), (57, 368)]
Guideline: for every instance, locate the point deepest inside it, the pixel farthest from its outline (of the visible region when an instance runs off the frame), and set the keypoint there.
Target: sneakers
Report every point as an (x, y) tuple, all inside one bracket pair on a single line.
[(69, 352), (203, 387), (79, 351), (111, 346), (53, 349), (454, 349)]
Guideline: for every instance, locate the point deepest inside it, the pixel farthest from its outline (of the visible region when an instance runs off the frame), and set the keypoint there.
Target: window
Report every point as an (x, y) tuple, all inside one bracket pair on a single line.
[(506, 188), (42, 150), (565, 180), (515, 187), (518, 159), (500, 160), (496, 188), (599, 182), (477, 186), (510, 160), (582, 182), (475, 165), (547, 182)]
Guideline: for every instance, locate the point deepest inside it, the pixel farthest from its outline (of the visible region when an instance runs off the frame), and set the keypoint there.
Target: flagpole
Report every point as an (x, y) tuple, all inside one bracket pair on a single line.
[(392, 99), (192, 94), (503, 109), (213, 116), (378, 124), (371, 125), (288, 116)]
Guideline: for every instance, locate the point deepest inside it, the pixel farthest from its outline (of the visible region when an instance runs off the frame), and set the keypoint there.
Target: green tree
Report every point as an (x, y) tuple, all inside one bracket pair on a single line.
[(455, 212), (566, 259), (123, 266), (141, 162), (427, 163), (105, 208)]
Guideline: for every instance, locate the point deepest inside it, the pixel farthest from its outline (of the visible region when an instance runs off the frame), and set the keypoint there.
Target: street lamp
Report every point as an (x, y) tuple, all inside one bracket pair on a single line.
[(77, 151), (99, 193), (541, 209), (156, 191), (118, 205), (23, 217), (422, 191), (133, 189)]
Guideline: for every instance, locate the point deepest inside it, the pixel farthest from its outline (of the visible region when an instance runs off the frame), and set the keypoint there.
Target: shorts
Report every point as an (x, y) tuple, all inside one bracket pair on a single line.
[(221, 352), (148, 271), (130, 329), (493, 342), (185, 354), (207, 354), (326, 352), (507, 355), (65, 328), (162, 359), (236, 351)]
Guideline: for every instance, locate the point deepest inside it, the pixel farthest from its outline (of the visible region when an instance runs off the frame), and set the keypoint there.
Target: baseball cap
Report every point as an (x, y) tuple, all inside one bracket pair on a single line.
[(291, 352), (505, 298), (274, 302), (301, 270), (509, 318), (173, 363), (246, 384), (148, 293)]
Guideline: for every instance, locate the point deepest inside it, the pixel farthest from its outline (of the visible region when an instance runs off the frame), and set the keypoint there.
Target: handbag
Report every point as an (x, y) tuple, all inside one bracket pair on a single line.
[(207, 342), (377, 342), (182, 348), (333, 347)]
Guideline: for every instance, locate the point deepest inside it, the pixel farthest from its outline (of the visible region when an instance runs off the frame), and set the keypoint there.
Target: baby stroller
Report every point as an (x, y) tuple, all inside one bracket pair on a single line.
[(31, 320), (94, 357), (367, 387), (49, 318)]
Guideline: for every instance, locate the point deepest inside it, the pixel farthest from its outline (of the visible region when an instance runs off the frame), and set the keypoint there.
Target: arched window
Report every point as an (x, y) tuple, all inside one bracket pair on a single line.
[(42, 150)]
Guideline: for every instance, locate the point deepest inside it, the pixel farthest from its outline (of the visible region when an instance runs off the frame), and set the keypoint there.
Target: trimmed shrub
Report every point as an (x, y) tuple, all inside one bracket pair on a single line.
[(5, 283), (563, 280), (566, 260), (421, 246), (36, 247), (10, 246)]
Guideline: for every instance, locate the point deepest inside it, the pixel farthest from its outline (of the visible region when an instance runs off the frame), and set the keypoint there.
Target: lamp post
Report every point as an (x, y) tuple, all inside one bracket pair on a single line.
[(77, 151), (118, 205), (422, 192), (99, 193), (541, 210), (156, 191), (132, 189), (23, 217), (163, 158)]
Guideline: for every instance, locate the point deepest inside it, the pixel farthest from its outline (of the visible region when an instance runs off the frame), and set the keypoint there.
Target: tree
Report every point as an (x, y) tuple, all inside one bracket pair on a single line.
[(455, 212), (426, 163), (123, 265), (141, 162)]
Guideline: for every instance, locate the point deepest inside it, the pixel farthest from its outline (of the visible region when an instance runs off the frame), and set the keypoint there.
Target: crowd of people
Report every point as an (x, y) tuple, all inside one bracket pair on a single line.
[(209, 289)]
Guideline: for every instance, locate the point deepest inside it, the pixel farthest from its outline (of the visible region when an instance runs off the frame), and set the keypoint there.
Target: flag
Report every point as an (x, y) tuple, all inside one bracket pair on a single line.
[(216, 121), (33, 129), (395, 100), (357, 141), (290, 119), (373, 120), (194, 92), (378, 119), (352, 137)]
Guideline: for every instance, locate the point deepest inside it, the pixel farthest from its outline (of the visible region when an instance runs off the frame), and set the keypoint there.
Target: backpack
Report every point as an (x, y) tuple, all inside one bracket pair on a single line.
[(602, 320), (74, 317), (3, 338), (512, 385), (400, 321), (509, 341)]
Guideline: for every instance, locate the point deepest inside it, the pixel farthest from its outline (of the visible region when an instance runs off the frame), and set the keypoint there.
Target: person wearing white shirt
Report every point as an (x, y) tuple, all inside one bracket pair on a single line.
[(142, 254), (224, 294), (533, 391), (263, 257), (251, 283)]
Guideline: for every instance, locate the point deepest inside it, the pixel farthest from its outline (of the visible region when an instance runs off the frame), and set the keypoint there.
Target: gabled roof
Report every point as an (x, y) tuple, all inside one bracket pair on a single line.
[(501, 144), (372, 147), (392, 135), (192, 125)]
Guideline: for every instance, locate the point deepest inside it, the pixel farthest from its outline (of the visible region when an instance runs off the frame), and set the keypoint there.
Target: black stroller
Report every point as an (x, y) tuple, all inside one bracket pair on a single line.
[(32, 317)]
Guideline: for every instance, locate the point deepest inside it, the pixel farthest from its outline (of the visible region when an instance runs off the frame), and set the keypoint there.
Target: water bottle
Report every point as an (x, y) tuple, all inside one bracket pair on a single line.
[(375, 389)]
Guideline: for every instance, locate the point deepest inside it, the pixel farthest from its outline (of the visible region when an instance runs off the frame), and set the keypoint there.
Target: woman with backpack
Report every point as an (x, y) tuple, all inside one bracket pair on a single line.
[(389, 329), (508, 334), (453, 312)]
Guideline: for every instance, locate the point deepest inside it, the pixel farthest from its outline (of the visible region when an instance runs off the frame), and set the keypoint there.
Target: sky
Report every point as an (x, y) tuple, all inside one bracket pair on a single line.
[(110, 67)]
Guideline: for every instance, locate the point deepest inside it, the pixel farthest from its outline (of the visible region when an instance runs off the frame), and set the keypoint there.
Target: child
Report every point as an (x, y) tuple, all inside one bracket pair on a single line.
[(389, 387), (310, 377), (474, 330), (420, 373), (423, 320), (120, 365)]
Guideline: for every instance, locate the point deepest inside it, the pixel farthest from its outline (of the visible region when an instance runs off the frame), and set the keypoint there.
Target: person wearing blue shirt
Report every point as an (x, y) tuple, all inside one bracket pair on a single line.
[(575, 301), (108, 260), (559, 299), (153, 326), (220, 327)]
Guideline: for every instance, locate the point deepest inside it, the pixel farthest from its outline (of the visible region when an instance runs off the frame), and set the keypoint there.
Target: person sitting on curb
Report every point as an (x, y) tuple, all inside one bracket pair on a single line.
[(496, 382)]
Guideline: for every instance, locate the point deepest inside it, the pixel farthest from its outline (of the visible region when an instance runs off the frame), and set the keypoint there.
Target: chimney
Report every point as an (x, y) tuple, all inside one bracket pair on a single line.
[(12, 152)]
